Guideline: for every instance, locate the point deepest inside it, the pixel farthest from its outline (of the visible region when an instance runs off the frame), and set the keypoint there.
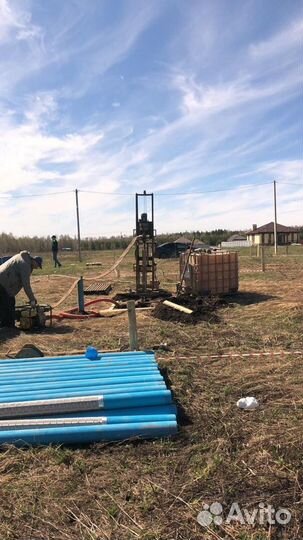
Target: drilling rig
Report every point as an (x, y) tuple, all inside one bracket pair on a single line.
[(145, 266)]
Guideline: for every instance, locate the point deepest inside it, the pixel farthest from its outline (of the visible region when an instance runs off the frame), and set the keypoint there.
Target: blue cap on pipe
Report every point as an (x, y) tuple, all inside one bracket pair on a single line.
[(92, 353)]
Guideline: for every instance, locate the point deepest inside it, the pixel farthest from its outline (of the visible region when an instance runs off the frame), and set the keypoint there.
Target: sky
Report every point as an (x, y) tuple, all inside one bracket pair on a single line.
[(197, 101)]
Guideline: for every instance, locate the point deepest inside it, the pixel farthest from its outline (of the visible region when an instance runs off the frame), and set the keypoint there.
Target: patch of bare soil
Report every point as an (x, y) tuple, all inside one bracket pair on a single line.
[(204, 309)]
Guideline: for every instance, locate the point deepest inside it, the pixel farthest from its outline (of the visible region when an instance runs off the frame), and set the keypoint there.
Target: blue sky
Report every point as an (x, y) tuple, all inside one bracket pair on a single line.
[(180, 97)]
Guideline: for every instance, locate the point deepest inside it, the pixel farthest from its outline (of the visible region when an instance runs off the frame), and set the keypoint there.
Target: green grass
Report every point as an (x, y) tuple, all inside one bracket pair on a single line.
[(155, 489), (72, 266)]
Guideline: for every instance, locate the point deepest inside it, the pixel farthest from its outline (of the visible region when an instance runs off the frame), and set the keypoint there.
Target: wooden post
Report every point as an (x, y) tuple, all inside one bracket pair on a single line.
[(286, 249), (262, 259), (258, 250), (132, 325), (81, 295)]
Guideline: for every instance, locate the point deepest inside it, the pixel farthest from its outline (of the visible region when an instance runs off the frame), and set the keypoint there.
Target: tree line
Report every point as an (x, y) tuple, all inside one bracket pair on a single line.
[(10, 244)]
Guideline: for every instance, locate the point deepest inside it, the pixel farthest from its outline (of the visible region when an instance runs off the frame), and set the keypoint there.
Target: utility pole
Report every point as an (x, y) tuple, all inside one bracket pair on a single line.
[(78, 225), (275, 222)]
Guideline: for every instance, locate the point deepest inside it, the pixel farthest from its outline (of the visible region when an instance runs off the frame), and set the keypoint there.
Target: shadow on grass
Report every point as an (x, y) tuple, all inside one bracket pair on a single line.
[(247, 298), (8, 333), (182, 417), (51, 330)]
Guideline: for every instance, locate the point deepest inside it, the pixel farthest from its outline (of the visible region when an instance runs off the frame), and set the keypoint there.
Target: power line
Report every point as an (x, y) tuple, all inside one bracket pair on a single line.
[(290, 184), (159, 193), (7, 196), (106, 193), (248, 186)]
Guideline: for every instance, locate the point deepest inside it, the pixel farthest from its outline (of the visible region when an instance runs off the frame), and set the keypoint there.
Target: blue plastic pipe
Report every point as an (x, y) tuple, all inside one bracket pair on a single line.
[(110, 401), (79, 392), (87, 434), (107, 355), (54, 393), (127, 357), (73, 359), (86, 364), (51, 422), (126, 390), (82, 383), (156, 410), (63, 375)]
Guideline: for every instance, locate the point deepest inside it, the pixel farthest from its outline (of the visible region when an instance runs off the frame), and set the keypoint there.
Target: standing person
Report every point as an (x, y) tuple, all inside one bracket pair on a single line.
[(15, 275), (55, 251)]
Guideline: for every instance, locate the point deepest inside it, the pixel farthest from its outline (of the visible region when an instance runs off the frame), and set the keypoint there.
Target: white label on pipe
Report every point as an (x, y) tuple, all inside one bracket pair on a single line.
[(72, 404), (51, 422)]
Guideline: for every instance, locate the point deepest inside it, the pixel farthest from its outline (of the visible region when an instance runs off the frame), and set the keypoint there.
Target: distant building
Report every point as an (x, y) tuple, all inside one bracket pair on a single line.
[(236, 238), (182, 240), (236, 241), (170, 250), (197, 243), (264, 235)]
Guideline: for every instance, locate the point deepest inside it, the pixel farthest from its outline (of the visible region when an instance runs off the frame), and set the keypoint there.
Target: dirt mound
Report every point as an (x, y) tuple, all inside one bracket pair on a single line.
[(131, 295), (204, 309)]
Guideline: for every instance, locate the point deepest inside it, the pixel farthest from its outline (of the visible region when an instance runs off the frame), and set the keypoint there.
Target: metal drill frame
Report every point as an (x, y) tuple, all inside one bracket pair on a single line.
[(145, 265)]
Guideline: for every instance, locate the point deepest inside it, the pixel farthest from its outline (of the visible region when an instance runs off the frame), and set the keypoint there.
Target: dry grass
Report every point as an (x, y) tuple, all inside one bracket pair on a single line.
[(153, 490)]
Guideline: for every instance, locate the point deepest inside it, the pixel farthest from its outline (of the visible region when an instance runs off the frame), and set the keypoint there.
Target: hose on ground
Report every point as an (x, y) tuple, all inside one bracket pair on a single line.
[(72, 313)]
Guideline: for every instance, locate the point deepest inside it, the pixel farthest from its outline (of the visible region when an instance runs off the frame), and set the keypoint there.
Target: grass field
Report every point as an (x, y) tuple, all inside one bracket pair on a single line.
[(154, 490)]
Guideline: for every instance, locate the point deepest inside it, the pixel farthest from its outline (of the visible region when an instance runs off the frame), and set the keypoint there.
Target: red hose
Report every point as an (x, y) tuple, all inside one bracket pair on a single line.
[(70, 313)]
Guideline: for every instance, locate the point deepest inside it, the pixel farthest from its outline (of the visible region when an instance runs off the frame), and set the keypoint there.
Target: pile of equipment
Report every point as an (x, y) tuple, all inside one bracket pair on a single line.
[(30, 318)]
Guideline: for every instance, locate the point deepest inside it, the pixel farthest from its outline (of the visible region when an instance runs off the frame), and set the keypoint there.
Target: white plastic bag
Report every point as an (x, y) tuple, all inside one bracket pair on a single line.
[(249, 403)]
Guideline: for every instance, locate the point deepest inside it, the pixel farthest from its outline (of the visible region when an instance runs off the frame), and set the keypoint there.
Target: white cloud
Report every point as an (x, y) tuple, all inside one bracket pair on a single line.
[(180, 128), (206, 99), (280, 43), (14, 20), (28, 150)]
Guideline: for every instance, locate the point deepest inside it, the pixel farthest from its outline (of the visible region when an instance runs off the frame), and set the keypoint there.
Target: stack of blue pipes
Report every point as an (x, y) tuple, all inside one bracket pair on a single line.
[(84, 399)]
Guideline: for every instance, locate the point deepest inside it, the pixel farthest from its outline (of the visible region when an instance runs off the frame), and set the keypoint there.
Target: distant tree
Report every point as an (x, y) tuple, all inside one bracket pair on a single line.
[(9, 244)]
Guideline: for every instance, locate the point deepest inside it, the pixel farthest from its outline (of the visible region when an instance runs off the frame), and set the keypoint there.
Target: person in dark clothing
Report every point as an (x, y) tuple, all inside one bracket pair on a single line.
[(55, 251), (15, 275), (7, 309)]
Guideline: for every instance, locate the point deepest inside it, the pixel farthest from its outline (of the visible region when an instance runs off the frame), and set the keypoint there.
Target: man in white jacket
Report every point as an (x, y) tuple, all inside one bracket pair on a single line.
[(15, 275)]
